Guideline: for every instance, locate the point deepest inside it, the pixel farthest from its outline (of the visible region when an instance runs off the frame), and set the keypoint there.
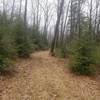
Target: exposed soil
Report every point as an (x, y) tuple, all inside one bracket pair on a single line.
[(43, 77)]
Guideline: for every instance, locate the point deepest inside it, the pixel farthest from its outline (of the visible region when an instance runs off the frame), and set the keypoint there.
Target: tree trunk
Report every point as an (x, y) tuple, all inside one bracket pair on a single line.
[(57, 27), (25, 13)]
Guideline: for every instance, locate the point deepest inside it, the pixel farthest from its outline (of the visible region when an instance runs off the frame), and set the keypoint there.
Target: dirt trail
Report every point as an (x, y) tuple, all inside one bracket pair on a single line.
[(43, 77)]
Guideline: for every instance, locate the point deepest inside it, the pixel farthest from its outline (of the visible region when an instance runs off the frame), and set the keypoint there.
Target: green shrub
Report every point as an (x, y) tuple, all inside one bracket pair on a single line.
[(39, 40), (82, 57), (22, 41), (4, 63), (61, 52), (97, 54)]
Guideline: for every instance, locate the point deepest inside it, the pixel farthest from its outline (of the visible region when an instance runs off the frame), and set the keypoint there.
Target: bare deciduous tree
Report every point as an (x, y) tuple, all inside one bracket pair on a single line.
[(25, 13), (12, 12), (57, 26)]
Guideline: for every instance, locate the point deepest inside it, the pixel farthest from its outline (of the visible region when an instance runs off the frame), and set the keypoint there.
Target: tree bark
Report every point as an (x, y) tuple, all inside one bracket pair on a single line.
[(57, 27), (25, 13)]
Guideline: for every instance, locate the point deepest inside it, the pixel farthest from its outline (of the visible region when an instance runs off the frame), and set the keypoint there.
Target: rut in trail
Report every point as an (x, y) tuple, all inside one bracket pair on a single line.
[(43, 77)]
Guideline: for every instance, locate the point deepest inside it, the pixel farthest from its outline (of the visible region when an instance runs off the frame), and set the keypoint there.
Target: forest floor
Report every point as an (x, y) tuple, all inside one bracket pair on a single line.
[(43, 77)]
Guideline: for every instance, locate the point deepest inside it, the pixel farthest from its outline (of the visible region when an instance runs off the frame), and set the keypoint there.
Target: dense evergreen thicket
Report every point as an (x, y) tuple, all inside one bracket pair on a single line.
[(18, 40), (82, 56)]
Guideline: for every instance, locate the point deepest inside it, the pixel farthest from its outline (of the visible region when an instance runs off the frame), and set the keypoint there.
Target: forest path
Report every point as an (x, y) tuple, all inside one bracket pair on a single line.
[(43, 77)]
